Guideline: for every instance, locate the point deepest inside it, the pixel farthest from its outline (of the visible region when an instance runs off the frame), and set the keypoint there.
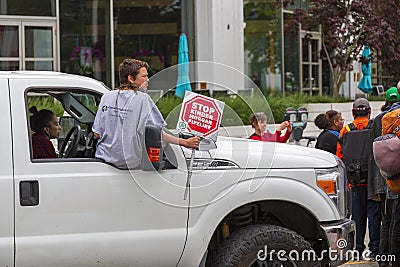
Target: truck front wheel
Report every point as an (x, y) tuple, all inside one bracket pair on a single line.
[(268, 246)]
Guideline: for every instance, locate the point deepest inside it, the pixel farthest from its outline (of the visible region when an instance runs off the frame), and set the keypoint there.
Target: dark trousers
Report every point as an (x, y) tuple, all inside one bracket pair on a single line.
[(363, 209), (386, 211), (395, 239)]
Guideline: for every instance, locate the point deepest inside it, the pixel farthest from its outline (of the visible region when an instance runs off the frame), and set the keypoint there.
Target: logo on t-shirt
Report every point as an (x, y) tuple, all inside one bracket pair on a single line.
[(104, 108)]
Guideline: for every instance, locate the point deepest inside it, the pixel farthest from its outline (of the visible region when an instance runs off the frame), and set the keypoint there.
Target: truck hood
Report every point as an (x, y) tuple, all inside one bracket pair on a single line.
[(248, 153)]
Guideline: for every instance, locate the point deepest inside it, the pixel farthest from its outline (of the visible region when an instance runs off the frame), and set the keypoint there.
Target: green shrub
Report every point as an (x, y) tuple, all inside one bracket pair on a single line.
[(46, 102), (238, 109)]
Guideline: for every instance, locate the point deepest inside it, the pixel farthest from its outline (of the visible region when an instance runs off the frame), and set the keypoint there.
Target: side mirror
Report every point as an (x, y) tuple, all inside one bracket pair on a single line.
[(152, 155)]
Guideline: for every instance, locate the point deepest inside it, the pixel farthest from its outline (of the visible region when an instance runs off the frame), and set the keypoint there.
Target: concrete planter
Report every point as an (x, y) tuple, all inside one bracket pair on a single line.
[(313, 110)]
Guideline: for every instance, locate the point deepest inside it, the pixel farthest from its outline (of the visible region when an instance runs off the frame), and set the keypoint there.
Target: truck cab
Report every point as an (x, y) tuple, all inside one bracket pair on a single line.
[(76, 210)]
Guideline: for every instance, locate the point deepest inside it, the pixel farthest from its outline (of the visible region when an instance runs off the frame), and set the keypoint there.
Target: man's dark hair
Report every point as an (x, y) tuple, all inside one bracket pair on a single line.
[(361, 112), (131, 67), (325, 120)]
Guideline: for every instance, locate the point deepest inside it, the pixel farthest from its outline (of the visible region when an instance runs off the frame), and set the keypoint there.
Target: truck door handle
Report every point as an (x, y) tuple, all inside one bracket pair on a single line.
[(29, 193)]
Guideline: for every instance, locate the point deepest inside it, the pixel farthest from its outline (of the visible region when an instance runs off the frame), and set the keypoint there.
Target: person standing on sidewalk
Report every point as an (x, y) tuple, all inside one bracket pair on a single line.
[(394, 231), (362, 207), (376, 182), (331, 122)]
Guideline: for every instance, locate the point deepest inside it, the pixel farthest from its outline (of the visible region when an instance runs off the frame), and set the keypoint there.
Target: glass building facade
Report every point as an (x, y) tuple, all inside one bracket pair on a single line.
[(91, 37), (275, 58), (262, 43)]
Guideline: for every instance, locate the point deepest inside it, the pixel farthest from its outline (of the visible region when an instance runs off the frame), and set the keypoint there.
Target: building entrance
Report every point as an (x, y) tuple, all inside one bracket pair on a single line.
[(28, 44)]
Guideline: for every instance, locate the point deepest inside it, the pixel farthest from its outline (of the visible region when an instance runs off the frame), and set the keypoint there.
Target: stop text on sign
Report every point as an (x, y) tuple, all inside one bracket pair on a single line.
[(201, 115)]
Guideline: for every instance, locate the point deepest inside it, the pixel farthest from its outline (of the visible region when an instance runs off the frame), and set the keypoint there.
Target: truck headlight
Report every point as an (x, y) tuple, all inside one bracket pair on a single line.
[(332, 181)]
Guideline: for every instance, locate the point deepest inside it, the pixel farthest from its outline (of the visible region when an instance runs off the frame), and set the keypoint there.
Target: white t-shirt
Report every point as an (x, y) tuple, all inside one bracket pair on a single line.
[(120, 121)]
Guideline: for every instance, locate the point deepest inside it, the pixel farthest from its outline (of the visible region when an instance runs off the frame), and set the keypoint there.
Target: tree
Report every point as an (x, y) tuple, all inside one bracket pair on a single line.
[(388, 55), (346, 26)]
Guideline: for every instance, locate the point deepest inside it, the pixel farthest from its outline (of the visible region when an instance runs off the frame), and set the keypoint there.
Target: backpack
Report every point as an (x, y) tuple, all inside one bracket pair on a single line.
[(386, 153), (391, 123), (357, 150)]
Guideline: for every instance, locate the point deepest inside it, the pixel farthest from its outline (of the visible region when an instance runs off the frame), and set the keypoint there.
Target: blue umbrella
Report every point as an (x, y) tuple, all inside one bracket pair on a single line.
[(365, 84), (183, 82)]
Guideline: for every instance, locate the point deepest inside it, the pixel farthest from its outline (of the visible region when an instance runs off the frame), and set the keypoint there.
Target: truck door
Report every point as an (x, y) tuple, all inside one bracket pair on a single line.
[(6, 180), (83, 212)]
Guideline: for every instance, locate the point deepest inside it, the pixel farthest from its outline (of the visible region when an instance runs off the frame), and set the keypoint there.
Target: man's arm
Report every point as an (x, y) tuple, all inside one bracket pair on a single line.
[(284, 125), (192, 142)]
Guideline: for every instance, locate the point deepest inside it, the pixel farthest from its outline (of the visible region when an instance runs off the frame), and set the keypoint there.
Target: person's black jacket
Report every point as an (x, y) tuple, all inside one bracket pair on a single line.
[(327, 141)]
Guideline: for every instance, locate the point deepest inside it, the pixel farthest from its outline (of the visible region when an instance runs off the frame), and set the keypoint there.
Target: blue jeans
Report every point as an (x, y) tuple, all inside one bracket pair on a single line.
[(386, 211), (363, 208)]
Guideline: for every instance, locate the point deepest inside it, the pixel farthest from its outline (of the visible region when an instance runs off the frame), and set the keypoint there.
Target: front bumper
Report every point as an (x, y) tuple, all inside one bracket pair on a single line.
[(340, 236)]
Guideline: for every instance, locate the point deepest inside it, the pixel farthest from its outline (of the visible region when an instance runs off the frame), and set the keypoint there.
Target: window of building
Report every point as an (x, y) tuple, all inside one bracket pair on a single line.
[(24, 8), (303, 4), (85, 38), (262, 44), (149, 30), (28, 43), (311, 63), (292, 59)]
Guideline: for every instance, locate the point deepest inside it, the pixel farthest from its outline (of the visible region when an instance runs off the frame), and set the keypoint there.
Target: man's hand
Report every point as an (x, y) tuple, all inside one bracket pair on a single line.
[(192, 142), (290, 127)]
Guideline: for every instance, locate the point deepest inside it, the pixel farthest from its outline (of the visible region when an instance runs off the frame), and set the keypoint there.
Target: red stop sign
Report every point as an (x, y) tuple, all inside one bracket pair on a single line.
[(202, 115)]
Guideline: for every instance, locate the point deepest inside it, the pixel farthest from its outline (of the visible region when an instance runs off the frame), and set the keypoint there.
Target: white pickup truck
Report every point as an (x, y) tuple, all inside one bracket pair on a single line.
[(247, 201)]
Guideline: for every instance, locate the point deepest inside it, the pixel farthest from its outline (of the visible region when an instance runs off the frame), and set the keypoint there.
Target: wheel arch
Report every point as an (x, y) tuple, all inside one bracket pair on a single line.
[(272, 212), (272, 203)]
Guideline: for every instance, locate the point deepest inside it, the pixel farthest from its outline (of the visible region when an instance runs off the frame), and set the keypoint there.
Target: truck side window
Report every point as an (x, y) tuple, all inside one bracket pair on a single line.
[(43, 112), (60, 123)]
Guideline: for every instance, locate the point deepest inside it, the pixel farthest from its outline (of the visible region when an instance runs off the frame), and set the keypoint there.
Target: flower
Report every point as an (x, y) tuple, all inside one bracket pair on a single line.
[(75, 52), (86, 53), (98, 53)]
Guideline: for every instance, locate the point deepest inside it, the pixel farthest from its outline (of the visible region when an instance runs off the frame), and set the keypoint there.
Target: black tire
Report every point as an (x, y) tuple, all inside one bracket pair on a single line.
[(243, 248)]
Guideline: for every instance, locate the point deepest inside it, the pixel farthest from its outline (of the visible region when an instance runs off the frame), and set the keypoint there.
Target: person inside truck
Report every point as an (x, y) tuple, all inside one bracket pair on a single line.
[(129, 105), (259, 123), (44, 124)]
